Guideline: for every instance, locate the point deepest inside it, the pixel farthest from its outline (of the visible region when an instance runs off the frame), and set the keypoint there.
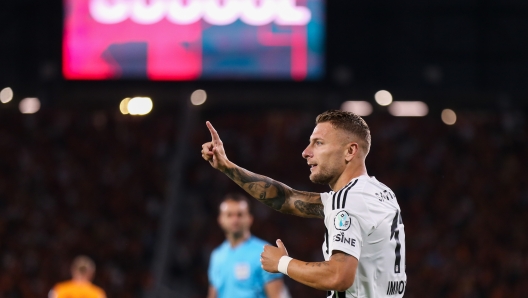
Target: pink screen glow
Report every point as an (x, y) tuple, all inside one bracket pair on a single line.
[(177, 40)]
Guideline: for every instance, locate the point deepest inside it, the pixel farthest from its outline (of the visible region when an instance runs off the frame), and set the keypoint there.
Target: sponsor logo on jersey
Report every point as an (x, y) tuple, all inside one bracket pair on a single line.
[(342, 221), (396, 287), (341, 238)]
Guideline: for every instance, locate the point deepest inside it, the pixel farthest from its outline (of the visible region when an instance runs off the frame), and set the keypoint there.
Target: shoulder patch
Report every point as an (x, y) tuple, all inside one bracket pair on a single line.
[(342, 221)]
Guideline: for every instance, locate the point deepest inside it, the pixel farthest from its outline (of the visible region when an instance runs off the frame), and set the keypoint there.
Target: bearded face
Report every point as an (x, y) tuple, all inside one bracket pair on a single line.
[(322, 174), (325, 154)]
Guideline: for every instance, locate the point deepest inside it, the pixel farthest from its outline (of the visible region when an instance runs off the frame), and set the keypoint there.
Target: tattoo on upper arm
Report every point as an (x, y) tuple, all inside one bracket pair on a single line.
[(312, 209)]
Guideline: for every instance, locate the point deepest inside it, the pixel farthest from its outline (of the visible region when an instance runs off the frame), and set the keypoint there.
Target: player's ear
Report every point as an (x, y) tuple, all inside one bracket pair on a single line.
[(351, 151)]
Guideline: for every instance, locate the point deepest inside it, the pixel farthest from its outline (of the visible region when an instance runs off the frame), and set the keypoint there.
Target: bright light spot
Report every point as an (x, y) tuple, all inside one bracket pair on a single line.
[(361, 108), (139, 105), (198, 97), (408, 109), (29, 105), (383, 98), (6, 95), (449, 116), (123, 106)]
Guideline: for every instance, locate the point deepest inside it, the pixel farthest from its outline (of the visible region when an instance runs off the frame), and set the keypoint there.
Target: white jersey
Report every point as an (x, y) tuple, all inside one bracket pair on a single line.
[(363, 219)]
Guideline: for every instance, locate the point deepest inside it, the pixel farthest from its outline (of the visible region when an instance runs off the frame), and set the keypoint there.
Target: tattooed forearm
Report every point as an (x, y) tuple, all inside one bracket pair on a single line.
[(270, 192), (318, 264), (313, 209), (277, 195)]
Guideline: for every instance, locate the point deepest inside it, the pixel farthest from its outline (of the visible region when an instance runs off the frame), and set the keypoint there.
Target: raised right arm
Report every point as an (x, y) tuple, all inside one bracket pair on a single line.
[(273, 193)]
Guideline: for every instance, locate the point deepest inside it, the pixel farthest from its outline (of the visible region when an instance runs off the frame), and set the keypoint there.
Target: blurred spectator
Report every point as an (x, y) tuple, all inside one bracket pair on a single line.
[(79, 183), (80, 286)]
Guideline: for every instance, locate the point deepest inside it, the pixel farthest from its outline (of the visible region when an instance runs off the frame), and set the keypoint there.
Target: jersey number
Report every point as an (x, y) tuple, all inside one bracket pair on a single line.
[(396, 234)]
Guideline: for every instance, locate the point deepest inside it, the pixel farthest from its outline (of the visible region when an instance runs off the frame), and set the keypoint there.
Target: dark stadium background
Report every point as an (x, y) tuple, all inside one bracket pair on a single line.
[(132, 192)]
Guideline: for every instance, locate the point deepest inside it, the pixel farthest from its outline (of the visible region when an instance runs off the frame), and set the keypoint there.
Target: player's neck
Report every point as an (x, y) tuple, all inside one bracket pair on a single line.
[(235, 241), (349, 174)]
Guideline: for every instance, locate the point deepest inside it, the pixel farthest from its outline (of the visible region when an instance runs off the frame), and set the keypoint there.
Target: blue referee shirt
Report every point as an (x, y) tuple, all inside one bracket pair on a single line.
[(237, 272)]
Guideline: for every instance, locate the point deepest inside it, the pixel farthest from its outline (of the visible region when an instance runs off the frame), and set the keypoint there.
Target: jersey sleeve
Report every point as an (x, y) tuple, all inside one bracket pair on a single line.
[(324, 197), (344, 232)]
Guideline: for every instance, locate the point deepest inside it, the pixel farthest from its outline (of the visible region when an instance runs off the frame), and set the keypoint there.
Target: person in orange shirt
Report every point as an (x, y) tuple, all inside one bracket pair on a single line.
[(80, 286)]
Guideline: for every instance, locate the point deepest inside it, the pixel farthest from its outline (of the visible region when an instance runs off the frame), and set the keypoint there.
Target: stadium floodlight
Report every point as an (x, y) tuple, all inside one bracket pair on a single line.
[(139, 106), (198, 97), (383, 97), (449, 116), (408, 109), (6, 95), (29, 105), (358, 107), (123, 106)]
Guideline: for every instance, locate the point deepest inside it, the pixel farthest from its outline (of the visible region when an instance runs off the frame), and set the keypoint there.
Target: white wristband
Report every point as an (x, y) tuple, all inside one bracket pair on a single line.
[(283, 264)]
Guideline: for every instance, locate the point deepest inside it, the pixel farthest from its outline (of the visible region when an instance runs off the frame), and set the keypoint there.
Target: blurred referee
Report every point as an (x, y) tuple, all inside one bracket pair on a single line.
[(234, 268), (364, 243), (80, 286)]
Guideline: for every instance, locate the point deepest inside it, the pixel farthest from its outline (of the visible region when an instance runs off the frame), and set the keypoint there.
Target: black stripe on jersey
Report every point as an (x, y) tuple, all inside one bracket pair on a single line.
[(328, 294), (338, 197), (339, 193), (326, 238), (341, 294), (346, 192)]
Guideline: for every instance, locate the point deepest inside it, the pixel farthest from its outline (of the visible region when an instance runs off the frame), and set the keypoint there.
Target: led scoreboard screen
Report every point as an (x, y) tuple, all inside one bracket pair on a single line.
[(193, 39)]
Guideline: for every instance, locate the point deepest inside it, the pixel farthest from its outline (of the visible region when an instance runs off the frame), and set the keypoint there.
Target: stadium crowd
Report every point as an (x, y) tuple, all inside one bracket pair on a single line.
[(74, 183), (94, 184)]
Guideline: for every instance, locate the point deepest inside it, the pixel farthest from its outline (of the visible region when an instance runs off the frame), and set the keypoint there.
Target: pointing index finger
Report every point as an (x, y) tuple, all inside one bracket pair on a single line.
[(214, 134)]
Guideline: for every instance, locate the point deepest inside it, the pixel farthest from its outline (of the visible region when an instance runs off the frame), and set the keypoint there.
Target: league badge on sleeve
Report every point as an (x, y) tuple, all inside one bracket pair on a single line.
[(342, 221)]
